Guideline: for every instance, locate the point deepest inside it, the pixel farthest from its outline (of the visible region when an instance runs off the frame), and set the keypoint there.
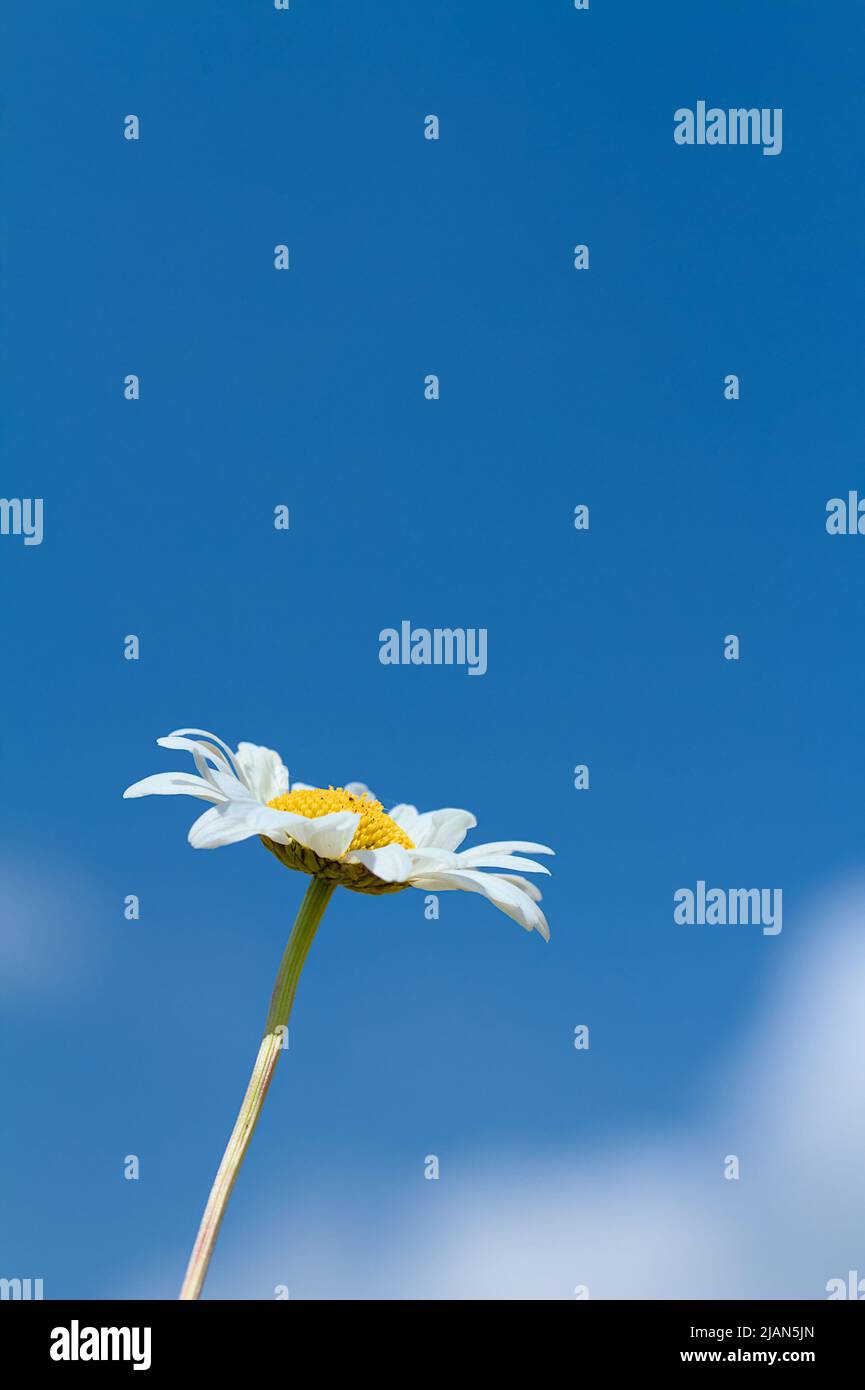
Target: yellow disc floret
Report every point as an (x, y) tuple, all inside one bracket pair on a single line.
[(375, 828)]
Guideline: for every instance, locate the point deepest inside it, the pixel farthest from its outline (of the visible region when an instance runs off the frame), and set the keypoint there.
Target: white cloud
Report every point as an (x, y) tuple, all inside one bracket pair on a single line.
[(47, 942), (648, 1217)]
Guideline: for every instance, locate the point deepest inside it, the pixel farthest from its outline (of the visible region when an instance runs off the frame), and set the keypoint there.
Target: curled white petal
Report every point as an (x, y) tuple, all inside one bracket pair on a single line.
[(208, 745), (507, 896), (175, 784), (208, 759), (228, 784), (525, 884)]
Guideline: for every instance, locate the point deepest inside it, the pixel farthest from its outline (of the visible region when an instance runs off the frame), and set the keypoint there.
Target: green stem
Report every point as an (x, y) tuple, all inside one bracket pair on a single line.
[(316, 899)]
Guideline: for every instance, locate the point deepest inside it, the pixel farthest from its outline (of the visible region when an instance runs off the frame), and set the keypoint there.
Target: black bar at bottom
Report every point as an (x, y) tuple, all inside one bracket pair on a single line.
[(66, 1338)]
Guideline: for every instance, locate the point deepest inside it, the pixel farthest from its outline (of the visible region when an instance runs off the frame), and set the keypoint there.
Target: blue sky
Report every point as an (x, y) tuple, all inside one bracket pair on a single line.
[(306, 388)]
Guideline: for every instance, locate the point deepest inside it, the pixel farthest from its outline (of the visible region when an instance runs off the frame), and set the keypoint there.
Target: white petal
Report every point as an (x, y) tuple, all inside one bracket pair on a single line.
[(526, 884), (406, 818), (208, 759), (435, 860), (506, 896), (328, 836), (263, 771), (391, 863), (472, 859), (207, 745), (175, 784), (432, 861), (473, 854), (228, 784), (236, 820), (445, 829)]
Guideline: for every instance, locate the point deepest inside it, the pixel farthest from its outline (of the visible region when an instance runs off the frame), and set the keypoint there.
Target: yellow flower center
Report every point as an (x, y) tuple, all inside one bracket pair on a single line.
[(375, 828)]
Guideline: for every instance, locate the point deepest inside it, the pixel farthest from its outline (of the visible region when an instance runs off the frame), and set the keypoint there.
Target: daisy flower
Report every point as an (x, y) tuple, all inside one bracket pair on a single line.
[(343, 834), (339, 836)]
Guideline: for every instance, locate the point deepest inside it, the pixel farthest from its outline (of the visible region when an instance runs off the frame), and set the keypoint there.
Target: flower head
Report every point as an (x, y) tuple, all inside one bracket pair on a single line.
[(343, 834)]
